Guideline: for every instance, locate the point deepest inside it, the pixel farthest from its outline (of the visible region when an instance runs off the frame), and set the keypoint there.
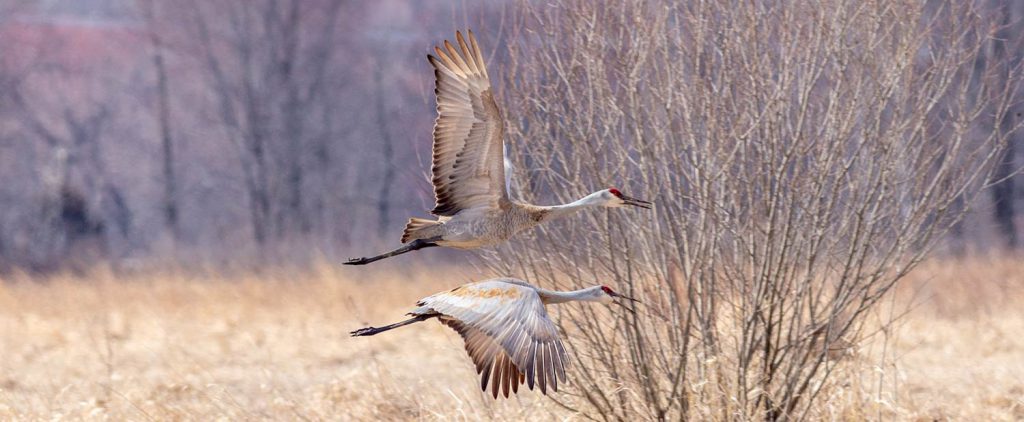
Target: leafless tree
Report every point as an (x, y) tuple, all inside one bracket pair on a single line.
[(267, 67), (60, 114), (803, 156), (296, 122), (80, 195)]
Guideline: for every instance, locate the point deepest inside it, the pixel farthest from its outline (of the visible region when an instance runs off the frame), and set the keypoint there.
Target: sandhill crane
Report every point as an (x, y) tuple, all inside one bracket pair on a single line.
[(506, 330), (470, 186)]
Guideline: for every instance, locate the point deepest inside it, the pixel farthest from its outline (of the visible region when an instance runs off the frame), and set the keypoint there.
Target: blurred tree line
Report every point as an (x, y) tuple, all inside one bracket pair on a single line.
[(146, 130), (213, 131)]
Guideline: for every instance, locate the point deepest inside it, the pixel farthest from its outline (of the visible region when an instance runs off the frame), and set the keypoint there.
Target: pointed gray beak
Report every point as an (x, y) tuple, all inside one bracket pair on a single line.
[(620, 303), (627, 298), (637, 202), (623, 305)]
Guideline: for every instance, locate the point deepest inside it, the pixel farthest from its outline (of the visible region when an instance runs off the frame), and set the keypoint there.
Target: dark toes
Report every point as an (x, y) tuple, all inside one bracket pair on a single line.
[(361, 331)]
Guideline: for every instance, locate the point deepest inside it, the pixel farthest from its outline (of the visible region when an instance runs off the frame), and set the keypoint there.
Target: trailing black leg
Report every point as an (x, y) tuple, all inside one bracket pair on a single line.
[(369, 331), (408, 247)]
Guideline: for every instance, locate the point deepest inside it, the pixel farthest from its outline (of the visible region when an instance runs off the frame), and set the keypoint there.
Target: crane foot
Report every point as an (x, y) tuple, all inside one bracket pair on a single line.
[(357, 261), (368, 331)]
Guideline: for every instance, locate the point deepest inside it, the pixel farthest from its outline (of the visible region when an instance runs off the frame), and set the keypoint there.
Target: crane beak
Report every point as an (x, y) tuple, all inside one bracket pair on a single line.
[(623, 305), (637, 202), (627, 298), (620, 303)]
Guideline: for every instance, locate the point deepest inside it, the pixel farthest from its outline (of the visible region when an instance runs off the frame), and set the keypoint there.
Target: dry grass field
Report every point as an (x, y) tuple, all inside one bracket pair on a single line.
[(274, 345)]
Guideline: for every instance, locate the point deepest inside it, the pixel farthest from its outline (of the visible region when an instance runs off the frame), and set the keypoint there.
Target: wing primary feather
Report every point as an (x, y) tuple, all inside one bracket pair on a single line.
[(496, 377), (486, 375), (552, 377), (531, 356), (449, 64), (517, 381), (457, 57), (545, 364), (473, 346), (479, 57), (562, 360), (506, 375), (552, 382), (466, 53), (541, 376)]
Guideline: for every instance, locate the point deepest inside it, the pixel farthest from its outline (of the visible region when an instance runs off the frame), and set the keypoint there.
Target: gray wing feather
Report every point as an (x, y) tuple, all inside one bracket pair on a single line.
[(507, 334), (467, 170)]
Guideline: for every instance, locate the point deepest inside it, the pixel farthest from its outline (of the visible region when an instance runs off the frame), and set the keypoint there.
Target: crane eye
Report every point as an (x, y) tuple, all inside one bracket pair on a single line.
[(608, 290)]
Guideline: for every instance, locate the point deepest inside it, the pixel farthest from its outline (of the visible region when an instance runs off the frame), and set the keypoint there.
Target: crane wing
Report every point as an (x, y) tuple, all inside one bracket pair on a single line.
[(468, 153), (507, 333), (491, 361)]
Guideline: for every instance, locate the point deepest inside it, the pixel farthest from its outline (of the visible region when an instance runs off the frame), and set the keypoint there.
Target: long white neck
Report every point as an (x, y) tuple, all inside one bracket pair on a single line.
[(588, 294), (589, 201)]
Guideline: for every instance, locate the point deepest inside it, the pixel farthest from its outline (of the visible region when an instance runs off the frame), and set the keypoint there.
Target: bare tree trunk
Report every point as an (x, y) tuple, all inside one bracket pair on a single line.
[(244, 121), (170, 195), (296, 210), (294, 133), (1004, 190), (258, 184), (268, 73), (387, 145)]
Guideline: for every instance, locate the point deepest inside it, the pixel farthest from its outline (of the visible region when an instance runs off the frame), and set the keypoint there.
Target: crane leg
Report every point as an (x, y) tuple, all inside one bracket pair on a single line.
[(408, 247), (369, 331)]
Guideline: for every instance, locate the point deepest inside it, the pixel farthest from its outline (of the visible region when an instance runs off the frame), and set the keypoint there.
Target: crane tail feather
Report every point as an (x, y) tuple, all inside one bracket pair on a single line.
[(419, 228)]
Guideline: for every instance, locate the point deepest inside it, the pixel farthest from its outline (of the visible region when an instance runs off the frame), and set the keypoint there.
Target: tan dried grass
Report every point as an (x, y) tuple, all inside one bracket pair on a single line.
[(274, 345)]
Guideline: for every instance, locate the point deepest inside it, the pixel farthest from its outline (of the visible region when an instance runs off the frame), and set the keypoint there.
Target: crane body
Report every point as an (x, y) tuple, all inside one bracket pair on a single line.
[(506, 329), (468, 172)]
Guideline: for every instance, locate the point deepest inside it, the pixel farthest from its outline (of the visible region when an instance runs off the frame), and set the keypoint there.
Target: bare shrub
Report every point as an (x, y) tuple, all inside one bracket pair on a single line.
[(803, 156)]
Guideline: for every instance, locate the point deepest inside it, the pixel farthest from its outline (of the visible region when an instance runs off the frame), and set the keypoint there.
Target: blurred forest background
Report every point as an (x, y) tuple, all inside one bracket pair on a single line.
[(147, 132)]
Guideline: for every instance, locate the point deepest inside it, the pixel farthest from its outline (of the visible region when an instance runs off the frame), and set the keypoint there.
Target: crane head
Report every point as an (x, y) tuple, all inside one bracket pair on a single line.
[(614, 198), (612, 295)]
